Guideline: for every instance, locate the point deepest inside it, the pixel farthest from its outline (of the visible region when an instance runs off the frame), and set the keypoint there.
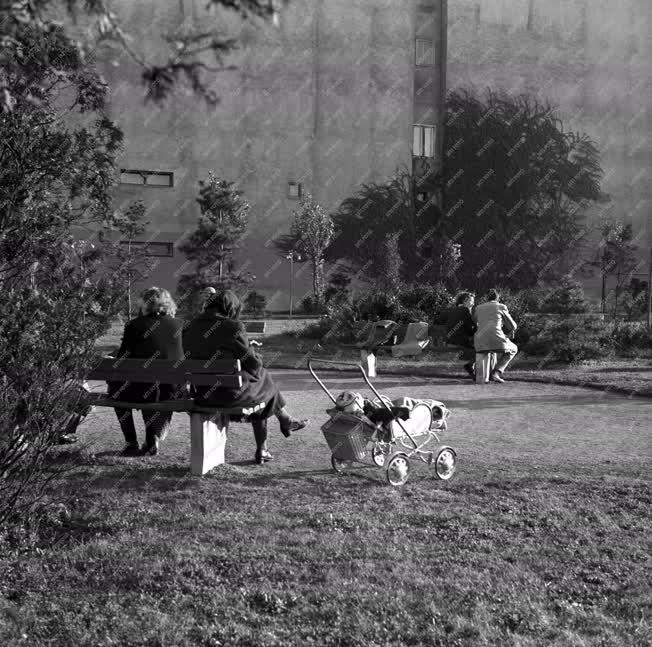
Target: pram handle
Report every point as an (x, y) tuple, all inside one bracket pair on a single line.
[(366, 379), (357, 365)]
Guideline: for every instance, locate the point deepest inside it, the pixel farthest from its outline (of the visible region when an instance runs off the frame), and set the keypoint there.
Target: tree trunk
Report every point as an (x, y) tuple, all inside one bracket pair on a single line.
[(317, 279)]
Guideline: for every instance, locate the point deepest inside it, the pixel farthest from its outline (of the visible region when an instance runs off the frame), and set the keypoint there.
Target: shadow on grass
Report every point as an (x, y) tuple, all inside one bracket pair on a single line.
[(616, 369), (356, 476), (134, 477)]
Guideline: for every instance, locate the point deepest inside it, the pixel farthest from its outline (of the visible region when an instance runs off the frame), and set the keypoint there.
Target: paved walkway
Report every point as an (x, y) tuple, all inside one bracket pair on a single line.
[(513, 426)]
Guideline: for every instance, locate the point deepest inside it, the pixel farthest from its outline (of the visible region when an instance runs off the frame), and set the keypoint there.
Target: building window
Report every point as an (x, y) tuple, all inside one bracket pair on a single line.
[(150, 248), (146, 178), (423, 142), (425, 52), (294, 190)]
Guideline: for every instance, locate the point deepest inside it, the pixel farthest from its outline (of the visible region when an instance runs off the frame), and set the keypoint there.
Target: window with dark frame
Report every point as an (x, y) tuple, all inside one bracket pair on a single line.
[(294, 190), (424, 52), (152, 248), (146, 178), (423, 141)]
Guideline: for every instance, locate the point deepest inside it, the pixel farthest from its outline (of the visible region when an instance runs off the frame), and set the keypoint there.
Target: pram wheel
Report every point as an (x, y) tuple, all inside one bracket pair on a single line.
[(398, 469), (445, 461), (378, 456), (339, 465)]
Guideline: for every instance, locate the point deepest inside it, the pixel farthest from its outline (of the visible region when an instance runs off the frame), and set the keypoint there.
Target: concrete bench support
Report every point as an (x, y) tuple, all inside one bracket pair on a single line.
[(484, 364), (368, 360), (207, 441)]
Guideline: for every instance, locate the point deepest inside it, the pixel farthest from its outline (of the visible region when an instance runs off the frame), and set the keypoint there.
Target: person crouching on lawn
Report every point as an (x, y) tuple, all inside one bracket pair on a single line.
[(154, 334), (460, 328), (491, 318), (218, 331)]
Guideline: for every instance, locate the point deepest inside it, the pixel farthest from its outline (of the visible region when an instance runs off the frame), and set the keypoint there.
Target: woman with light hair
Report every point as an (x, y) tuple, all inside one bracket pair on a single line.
[(154, 334), (157, 301)]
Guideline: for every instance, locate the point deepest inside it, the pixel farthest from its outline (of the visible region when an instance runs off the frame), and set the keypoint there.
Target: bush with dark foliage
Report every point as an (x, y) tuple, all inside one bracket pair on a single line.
[(59, 292)]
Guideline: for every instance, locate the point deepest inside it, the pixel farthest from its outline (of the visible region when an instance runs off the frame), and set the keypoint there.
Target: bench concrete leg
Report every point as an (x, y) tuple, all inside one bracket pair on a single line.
[(484, 364), (207, 441), (368, 360)]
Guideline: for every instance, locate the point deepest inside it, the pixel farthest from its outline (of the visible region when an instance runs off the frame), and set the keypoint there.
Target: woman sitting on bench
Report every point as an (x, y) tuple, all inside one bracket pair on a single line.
[(460, 328), (155, 334), (218, 331)]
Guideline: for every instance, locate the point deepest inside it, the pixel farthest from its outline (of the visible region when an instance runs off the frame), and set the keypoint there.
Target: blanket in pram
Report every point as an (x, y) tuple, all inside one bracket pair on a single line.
[(416, 416)]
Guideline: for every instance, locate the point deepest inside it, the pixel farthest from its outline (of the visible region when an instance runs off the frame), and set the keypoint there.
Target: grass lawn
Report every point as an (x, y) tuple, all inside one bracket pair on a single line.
[(542, 538)]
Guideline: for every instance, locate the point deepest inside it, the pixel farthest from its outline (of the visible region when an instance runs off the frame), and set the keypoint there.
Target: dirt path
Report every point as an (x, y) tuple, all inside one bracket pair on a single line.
[(512, 429)]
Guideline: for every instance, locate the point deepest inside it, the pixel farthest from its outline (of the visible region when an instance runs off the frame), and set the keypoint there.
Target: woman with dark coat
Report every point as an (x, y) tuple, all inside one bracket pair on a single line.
[(218, 331), (460, 329), (155, 334)]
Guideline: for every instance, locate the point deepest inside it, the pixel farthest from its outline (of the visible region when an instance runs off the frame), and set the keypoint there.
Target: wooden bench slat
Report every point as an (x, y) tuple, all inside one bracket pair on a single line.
[(218, 365), (139, 377), (186, 405), (134, 375), (225, 372), (164, 405)]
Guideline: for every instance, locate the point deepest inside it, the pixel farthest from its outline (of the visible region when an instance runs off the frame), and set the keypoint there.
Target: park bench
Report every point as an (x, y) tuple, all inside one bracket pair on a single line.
[(255, 327), (208, 425), (384, 335)]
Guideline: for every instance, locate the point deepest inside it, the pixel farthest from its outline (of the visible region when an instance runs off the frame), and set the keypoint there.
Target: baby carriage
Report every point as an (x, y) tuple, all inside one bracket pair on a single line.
[(388, 433)]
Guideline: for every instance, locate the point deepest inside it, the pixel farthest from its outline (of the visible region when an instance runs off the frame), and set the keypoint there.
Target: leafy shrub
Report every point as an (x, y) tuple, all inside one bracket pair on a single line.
[(532, 308), (631, 336), (58, 294), (570, 339), (256, 303), (310, 305), (425, 302), (376, 306), (566, 298), (316, 330), (337, 288)]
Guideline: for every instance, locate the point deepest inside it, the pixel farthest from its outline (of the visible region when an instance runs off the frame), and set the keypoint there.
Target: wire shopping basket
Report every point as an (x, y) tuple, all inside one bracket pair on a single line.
[(347, 436)]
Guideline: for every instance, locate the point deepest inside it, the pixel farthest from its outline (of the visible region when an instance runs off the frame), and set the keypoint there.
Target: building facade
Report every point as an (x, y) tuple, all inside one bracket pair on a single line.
[(334, 94), (592, 59)]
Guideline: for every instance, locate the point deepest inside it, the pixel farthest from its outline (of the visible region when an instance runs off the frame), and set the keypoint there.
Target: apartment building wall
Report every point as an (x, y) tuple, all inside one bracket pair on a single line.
[(325, 100)]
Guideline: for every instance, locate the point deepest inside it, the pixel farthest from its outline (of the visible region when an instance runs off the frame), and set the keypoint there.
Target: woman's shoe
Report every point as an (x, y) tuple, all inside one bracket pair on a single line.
[(150, 450), (496, 376), (263, 456), (131, 450), (294, 425), (267, 455)]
